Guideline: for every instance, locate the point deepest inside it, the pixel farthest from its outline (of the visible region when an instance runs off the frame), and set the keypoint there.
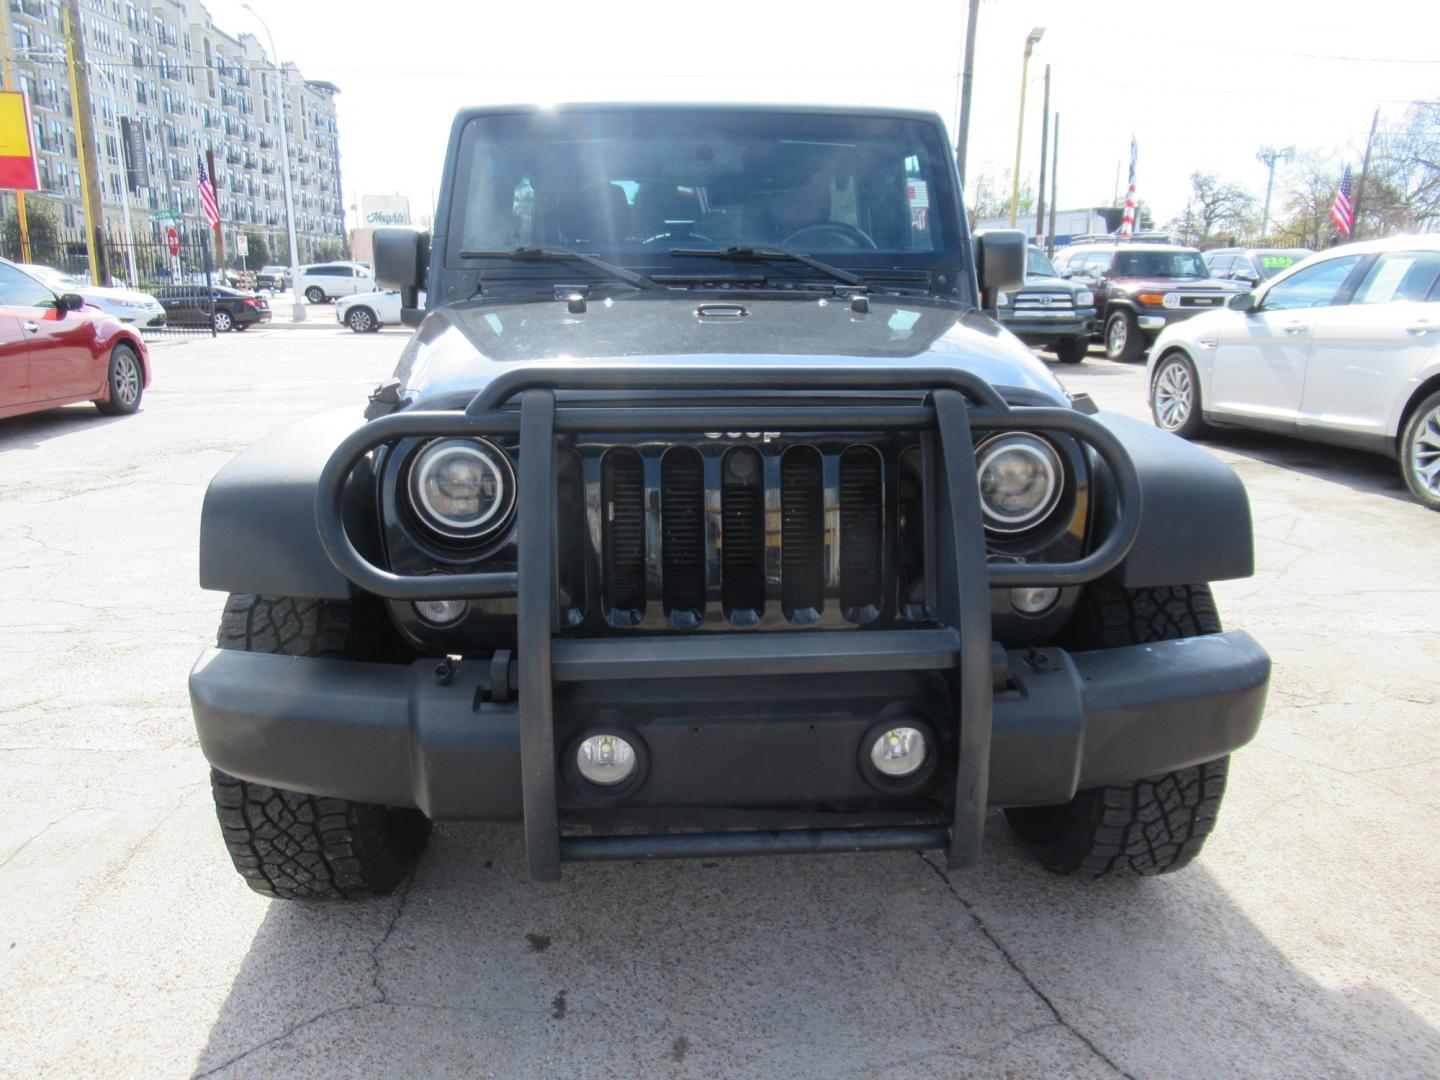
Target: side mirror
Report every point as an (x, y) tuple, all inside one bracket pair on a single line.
[(1067, 273), (69, 302), (1244, 301), (999, 262), (402, 258)]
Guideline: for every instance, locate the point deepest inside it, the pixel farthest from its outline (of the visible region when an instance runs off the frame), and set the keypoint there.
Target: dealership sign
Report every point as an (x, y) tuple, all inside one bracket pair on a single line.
[(379, 210), (17, 154)]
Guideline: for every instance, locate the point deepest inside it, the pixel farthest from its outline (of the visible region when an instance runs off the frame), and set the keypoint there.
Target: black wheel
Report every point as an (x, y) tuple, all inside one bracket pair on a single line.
[(362, 320), (223, 322), (1123, 340), (1420, 452), (1175, 397), (127, 382), (315, 294), (1072, 350), (241, 327), (289, 844), (1151, 826)]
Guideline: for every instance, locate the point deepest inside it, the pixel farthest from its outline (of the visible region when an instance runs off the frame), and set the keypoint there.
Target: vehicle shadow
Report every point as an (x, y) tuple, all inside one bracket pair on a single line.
[(32, 430), (1356, 469), (876, 965)]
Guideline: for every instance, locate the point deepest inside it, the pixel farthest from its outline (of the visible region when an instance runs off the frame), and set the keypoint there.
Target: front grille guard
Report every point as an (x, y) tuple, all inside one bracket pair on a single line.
[(956, 569)]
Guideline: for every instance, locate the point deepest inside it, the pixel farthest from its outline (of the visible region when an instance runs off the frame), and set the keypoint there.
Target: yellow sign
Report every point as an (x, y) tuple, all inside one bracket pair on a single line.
[(17, 154)]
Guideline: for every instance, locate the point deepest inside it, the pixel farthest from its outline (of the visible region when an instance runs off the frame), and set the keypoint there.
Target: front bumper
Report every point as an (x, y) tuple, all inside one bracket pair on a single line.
[(400, 735), (1035, 330)]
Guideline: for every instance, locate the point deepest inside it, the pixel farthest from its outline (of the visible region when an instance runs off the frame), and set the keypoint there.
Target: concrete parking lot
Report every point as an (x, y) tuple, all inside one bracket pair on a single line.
[(1303, 943)]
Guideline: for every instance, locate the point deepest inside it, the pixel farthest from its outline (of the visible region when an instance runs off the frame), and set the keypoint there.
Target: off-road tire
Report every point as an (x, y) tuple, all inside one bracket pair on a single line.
[(1127, 345), (1150, 826), (291, 845), (1423, 422), (126, 381), (1072, 350), (315, 294)]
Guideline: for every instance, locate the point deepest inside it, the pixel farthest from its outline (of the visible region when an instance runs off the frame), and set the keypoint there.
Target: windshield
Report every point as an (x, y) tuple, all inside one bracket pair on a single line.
[(52, 277), (1160, 264), (1037, 265), (629, 185), (1272, 262)]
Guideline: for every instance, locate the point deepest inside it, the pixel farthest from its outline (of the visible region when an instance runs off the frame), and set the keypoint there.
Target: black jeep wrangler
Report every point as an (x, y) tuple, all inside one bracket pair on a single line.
[(707, 515)]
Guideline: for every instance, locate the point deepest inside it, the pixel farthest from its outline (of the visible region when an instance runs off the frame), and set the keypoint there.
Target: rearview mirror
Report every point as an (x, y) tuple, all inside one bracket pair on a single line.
[(69, 302), (1244, 301), (402, 258), (999, 262)]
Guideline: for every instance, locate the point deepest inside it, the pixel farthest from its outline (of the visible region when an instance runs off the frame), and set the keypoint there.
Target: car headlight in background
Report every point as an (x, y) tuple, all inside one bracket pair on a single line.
[(1021, 480), (1084, 298), (1172, 300), (462, 489)]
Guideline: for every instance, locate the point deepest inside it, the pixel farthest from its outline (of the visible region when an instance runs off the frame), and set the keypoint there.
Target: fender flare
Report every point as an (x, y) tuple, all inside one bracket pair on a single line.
[(1195, 523), (257, 525)]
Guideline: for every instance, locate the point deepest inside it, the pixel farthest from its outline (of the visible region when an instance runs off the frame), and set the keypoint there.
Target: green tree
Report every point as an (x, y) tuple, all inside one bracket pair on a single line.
[(259, 250), (43, 224)]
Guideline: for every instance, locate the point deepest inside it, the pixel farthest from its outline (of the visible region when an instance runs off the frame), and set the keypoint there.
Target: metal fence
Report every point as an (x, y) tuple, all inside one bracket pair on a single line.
[(150, 266)]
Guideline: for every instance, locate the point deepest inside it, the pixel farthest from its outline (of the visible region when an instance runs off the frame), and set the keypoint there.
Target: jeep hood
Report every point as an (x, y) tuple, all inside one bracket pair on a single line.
[(460, 348)]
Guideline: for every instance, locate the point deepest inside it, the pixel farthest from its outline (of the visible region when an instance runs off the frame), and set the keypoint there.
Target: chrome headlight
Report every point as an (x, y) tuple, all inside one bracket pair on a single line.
[(1021, 480), (462, 489), (1084, 298), (1172, 300)]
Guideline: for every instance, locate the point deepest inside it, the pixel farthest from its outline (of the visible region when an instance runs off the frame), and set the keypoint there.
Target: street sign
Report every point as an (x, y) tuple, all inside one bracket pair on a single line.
[(166, 215), (172, 241), (242, 245)]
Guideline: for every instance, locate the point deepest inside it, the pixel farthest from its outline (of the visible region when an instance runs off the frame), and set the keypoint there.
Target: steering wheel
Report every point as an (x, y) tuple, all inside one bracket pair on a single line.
[(660, 238), (849, 236)]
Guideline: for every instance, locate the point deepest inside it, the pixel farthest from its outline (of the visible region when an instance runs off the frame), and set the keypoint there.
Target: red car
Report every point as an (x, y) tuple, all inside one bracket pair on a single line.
[(55, 351)]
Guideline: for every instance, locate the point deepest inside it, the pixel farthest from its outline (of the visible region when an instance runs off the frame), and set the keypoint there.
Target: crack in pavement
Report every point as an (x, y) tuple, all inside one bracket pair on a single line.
[(1009, 958)]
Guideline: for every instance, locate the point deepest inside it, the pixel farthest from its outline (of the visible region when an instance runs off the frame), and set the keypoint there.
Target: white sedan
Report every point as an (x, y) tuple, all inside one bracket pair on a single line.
[(1341, 348), (127, 305), (364, 312)]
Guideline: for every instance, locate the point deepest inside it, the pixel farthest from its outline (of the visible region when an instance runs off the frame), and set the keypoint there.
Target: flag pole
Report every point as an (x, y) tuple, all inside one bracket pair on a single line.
[(1364, 168)]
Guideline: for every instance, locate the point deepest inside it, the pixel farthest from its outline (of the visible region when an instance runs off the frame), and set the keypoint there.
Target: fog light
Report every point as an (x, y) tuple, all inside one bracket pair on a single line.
[(440, 612), (1032, 601), (605, 760), (898, 752)]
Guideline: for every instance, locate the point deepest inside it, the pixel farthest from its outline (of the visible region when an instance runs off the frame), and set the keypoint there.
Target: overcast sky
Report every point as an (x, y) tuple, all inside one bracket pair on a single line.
[(1201, 84)]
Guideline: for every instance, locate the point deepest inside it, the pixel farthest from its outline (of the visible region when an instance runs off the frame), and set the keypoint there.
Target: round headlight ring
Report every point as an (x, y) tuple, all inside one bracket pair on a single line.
[(493, 465), (1037, 451)]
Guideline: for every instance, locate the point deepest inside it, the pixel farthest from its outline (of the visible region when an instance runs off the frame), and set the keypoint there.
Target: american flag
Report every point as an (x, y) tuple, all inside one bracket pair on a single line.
[(1127, 224), (1342, 213), (207, 194)]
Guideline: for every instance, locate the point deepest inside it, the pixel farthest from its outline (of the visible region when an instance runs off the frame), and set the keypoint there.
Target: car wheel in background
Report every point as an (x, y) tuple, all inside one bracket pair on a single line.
[(1420, 452), (1175, 397), (127, 382), (315, 294), (361, 319), (1072, 350), (223, 322), (1123, 340)]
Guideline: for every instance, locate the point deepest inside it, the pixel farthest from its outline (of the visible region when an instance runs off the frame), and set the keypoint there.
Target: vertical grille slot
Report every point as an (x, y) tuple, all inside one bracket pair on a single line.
[(742, 545), (802, 533), (682, 532), (910, 539), (622, 493), (570, 537), (862, 523)]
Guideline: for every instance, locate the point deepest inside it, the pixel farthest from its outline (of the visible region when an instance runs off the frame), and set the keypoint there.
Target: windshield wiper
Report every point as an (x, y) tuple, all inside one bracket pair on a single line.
[(640, 281), (751, 254)]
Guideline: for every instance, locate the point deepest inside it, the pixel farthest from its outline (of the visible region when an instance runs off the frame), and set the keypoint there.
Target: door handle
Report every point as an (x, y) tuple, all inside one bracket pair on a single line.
[(33, 328), (1424, 326), (1296, 328)]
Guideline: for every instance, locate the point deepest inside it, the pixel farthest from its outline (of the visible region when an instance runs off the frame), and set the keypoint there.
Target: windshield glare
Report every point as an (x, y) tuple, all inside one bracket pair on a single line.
[(1037, 265), (630, 185), (1160, 264)]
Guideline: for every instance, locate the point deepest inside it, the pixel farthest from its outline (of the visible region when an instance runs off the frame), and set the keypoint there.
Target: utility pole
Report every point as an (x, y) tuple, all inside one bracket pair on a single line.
[(1054, 186), (1364, 168), (219, 225), (1269, 156), (9, 77), (1030, 40), (967, 78), (85, 135), (1044, 155)]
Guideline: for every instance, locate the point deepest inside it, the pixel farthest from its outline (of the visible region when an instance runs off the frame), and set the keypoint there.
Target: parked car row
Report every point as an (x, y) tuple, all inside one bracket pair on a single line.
[(188, 305)]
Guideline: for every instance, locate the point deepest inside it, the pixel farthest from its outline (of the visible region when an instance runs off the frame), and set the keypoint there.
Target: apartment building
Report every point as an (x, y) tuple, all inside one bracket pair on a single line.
[(189, 87)]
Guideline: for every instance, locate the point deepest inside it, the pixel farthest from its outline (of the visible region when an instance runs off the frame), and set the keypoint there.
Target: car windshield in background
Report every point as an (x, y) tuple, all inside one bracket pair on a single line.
[(631, 185), (1037, 265), (1160, 264), (1272, 262)]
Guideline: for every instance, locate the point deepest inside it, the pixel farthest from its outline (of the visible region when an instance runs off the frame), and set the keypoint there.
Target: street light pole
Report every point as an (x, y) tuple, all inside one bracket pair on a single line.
[(298, 310), (1030, 40), (1269, 156)]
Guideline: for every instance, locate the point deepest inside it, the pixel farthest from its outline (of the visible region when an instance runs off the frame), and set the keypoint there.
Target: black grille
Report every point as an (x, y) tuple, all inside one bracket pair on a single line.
[(623, 496), (802, 531), (861, 524), (742, 543), (682, 525)]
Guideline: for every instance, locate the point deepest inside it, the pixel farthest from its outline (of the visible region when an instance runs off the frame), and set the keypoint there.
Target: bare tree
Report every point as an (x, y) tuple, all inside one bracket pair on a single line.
[(1310, 186), (1219, 211), (1402, 190)]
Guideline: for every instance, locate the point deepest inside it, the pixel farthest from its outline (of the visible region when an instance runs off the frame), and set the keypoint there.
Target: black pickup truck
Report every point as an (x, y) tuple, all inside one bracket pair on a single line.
[(708, 514)]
